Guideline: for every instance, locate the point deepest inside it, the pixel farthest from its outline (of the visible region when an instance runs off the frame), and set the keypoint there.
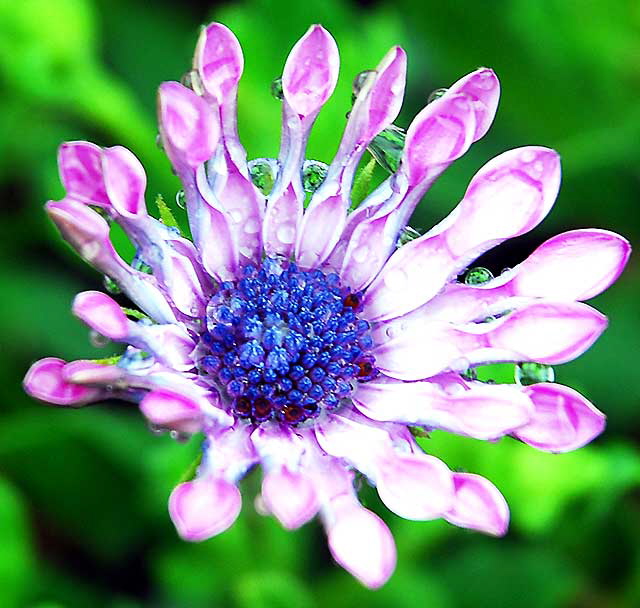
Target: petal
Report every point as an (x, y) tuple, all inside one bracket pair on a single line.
[(440, 133), (189, 126), (203, 508), (80, 167), (483, 87), (283, 214), (102, 314), (509, 196), (574, 265), (219, 62), (290, 497), (311, 71), (363, 545), (549, 332), (172, 410), (482, 411), (45, 381), (415, 486), (478, 505), (125, 181), (563, 419)]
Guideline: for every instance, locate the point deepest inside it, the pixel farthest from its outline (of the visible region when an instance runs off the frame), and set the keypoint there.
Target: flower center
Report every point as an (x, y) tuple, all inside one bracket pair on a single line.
[(284, 343)]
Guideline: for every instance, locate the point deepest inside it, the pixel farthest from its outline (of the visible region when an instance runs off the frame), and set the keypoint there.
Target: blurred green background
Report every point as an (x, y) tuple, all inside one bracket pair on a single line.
[(83, 518)]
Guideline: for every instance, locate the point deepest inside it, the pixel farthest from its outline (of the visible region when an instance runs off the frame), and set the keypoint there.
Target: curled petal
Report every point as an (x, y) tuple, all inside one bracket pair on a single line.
[(80, 167), (290, 497), (189, 126), (171, 410), (483, 87), (125, 181), (563, 420), (311, 71), (204, 507), (479, 505), (363, 545), (440, 133), (218, 60), (509, 196), (45, 381), (102, 314)]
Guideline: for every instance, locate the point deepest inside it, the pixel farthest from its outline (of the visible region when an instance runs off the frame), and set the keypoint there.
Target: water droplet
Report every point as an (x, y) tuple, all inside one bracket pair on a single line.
[(359, 81), (252, 226), (437, 94), (276, 89), (159, 141), (192, 81), (527, 156), (111, 286), (140, 265), (407, 235), (387, 147), (485, 81), (538, 168), (286, 233), (235, 215), (532, 373), (478, 276), (180, 199), (263, 174), (156, 429), (179, 436), (98, 340), (313, 174), (396, 279), (361, 254)]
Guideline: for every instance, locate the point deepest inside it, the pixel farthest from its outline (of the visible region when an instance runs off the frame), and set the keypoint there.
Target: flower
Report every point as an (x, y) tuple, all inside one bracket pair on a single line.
[(311, 338)]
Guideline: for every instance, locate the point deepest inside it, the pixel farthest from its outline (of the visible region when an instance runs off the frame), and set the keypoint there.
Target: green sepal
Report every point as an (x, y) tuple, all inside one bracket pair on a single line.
[(362, 183), (136, 314), (107, 360), (192, 469), (166, 216)]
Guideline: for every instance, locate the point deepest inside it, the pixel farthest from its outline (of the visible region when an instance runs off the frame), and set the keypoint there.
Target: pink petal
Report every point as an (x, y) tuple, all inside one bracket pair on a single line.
[(415, 486), (282, 217), (204, 507), (125, 181), (549, 332), (483, 411), (218, 59), (483, 87), (478, 505), (574, 265), (80, 166), (95, 374), (509, 196), (102, 314), (172, 410), (189, 126), (311, 71), (363, 545), (290, 497), (440, 133), (563, 419), (45, 381)]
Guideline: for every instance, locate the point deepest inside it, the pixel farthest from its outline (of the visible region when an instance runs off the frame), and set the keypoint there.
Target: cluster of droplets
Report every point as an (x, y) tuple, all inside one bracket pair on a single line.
[(284, 343)]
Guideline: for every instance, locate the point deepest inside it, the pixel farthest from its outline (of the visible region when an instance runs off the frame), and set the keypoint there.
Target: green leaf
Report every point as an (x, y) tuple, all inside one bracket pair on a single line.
[(166, 215), (362, 183)]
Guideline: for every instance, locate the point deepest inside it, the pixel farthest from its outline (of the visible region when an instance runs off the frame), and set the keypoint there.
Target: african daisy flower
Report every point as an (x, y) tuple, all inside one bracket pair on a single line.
[(309, 337)]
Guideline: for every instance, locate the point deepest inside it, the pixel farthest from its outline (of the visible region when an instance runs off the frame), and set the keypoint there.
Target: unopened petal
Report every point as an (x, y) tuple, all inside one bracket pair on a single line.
[(102, 314), (290, 497)]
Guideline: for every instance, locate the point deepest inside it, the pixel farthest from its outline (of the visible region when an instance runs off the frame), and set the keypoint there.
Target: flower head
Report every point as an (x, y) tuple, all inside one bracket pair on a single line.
[(308, 336)]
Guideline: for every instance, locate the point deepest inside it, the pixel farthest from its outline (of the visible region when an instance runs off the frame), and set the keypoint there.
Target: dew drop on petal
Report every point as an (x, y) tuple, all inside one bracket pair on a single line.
[(192, 81), (478, 276), (527, 156), (180, 199), (532, 373), (98, 340), (396, 279), (111, 286), (437, 94), (313, 174), (361, 254), (252, 226), (263, 175), (286, 233), (276, 89)]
